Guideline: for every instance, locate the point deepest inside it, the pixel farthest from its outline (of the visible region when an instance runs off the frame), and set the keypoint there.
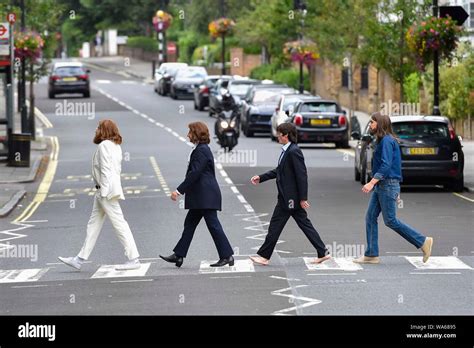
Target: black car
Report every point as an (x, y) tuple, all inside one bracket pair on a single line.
[(215, 96), (185, 80), (431, 152), (258, 106), (164, 76), (68, 77), (202, 91), (321, 121)]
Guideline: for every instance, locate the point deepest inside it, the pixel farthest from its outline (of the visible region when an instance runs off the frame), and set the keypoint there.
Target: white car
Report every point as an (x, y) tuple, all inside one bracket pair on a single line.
[(164, 75), (284, 110)]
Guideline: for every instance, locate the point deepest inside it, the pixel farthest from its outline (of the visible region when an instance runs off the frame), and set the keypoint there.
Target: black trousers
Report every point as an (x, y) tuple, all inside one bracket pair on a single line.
[(277, 223), (192, 220)]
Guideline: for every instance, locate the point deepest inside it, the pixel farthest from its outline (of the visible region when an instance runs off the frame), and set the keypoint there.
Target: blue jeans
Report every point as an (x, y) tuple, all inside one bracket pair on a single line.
[(384, 199)]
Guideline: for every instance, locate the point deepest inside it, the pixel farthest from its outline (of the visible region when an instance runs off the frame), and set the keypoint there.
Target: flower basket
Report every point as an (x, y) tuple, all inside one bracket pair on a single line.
[(221, 26), (28, 45), (441, 34), (301, 51), (162, 21)]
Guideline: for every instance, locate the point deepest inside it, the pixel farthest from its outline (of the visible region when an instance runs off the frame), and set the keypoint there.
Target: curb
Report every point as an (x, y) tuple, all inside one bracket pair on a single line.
[(11, 204), (33, 172)]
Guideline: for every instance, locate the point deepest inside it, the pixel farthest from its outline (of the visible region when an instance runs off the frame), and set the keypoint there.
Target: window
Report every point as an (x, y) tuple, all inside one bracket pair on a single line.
[(420, 129), (318, 107), (364, 77), (345, 77)]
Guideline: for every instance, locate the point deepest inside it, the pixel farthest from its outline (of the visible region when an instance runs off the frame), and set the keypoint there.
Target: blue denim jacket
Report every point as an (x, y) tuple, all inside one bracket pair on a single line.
[(387, 160)]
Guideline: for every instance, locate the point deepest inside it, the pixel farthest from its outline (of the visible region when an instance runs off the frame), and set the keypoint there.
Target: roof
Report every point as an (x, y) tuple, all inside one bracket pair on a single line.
[(70, 63), (414, 118)]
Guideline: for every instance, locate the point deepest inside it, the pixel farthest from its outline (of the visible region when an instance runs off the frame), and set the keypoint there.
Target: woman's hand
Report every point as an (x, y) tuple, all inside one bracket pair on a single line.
[(368, 187), (174, 195)]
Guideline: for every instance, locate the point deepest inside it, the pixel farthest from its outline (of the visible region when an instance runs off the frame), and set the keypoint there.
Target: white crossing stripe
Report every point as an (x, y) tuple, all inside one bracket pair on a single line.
[(240, 266), (103, 81), (109, 271), (334, 263), (437, 262), (22, 275)]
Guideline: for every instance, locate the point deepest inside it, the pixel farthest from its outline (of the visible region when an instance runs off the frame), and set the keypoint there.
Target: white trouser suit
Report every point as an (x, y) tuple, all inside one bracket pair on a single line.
[(106, 169)]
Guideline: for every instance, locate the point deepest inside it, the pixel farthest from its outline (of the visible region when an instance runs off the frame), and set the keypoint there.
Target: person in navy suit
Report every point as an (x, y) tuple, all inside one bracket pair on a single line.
[(202, 197), (292, 184)]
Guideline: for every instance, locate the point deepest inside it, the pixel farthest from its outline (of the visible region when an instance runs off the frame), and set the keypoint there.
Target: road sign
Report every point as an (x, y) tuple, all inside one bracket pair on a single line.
[(11, 18), (4, 39), (457, 13)]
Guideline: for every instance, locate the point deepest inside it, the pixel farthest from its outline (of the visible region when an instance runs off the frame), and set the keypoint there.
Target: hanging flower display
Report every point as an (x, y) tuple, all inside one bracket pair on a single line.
[(423, 38), (162, 21), (304, 51), (28, 45), (221, 26)]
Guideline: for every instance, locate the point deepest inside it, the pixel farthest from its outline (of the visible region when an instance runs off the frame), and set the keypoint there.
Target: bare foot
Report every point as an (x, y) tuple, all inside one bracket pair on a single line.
[(321, 259)]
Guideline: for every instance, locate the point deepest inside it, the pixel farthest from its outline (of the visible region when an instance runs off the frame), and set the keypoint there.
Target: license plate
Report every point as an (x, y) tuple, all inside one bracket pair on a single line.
[(421, 151), (319, 122), (68, 79)]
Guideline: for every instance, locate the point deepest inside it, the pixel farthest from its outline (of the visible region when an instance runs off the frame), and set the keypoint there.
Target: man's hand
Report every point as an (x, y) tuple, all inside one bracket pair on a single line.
[(368, 187), (305, 204), (255, 180), (174, 195)]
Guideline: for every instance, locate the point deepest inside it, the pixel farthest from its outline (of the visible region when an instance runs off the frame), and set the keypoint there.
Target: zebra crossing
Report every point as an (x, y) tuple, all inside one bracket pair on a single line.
[(242, 265)]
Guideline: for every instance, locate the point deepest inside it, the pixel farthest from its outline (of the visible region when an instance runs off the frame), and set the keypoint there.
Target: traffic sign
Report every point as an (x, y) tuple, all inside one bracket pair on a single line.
[(4, 39), (457, 13), (11, 18)]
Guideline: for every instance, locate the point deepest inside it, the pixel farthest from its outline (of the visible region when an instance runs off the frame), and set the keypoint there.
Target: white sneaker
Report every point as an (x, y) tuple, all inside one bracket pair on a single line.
[(71, 261), (129, 265)]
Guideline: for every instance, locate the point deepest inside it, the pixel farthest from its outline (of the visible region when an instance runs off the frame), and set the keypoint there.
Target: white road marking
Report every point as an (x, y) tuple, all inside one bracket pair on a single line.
[(437, 262), (22, 275), (103, 81), (330, 274), (131, 281), (463, 197), (309, 301), (240, 266), (283, 278), (109, 271), (335, 263), (425, 273)]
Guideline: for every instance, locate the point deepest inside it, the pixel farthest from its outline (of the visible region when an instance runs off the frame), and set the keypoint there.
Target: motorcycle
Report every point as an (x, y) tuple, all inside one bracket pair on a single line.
[(226, 128)]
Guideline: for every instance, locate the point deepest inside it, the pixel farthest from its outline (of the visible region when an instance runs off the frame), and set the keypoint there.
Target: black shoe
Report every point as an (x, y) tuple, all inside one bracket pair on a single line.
[(177, 260), (223, 262)]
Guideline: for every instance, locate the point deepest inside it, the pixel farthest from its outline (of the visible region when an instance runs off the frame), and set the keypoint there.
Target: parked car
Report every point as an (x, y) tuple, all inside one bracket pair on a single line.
[(185, 80), (201, 92), (164, 76), (286, 106), (215, 95), (258, 106), (321, 121), (431, 152), (68, 77)]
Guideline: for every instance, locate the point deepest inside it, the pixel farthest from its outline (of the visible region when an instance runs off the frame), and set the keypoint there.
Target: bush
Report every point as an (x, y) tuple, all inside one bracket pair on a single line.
[(148, 44), (289, 76), (411, 88)]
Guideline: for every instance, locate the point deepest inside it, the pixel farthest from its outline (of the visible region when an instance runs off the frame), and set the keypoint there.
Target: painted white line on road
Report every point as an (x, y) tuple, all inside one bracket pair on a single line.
[(334, 263), (240, 266), (175, 134), (131, 281), (309, 301), (136, 112), (331, 274), (182, 139), (249, 208), (241, 199), (103, 81), (22, 275), (233, 277), (234, 189), (109, 271), (29, 286), (283, 278), (402, 252), (437, 262), (227, 180), (223, 173), (219, 166), (115, 99), (438, 273)]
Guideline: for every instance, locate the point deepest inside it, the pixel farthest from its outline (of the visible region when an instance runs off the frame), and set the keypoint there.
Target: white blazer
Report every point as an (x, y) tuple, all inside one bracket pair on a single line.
[(106, 169)]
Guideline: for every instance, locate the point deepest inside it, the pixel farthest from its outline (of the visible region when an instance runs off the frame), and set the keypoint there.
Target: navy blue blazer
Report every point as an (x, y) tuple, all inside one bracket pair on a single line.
[(200, 185), (291, 178)]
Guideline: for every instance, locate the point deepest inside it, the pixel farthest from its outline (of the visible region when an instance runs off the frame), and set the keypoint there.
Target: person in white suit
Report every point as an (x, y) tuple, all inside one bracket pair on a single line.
[(106, 169)]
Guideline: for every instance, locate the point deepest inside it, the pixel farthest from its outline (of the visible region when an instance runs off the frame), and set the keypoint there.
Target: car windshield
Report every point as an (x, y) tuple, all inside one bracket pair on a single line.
[(240, 89), (69, 71), (289, 102), (318, 107), (266, 97), (420, 129), (191, 73)]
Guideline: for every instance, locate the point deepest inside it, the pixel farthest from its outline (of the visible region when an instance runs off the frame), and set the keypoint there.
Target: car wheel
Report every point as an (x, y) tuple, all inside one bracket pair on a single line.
[(248, 133), (342, 144), (456, 185), (211, 114), (87, 94), (200, 106), (356, 174), (195, 106), (173, 95), (363, 175), (51, 95)]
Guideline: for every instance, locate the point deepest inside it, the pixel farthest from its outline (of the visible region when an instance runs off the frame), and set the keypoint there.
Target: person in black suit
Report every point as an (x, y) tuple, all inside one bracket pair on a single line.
[(292, 183), (202, 197)]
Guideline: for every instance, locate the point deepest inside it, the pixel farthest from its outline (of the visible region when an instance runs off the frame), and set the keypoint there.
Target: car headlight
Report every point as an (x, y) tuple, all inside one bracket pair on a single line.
[(224, 124)]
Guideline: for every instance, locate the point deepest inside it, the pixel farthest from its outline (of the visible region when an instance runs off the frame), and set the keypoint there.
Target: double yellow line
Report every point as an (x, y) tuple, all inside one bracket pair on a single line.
[(43, 188)]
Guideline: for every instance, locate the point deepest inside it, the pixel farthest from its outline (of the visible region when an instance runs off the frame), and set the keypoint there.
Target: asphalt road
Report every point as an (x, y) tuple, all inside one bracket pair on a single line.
[(155, 158)]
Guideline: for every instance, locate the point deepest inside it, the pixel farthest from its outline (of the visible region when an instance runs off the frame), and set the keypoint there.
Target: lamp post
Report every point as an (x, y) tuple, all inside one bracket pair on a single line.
[(436, 111), (22, 83), (301, 6)]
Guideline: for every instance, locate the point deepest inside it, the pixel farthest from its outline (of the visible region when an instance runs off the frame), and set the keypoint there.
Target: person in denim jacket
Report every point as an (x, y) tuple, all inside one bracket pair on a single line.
[(385, 184)]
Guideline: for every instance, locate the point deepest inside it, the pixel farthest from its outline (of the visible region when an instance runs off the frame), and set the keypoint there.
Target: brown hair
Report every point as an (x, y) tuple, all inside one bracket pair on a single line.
[(199, 133), (107, 130), (290, 130), (384, 126)]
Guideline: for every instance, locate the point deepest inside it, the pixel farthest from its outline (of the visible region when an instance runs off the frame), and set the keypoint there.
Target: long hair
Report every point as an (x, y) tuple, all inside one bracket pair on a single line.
[(199, 133), (290, 130), (384, 126), (107, 130)]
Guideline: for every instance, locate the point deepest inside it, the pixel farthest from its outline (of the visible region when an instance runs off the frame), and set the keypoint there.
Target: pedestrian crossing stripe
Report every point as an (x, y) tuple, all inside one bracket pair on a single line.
[(437, 262), (240, 266), (109, 271), (22, 275), (334, 263)]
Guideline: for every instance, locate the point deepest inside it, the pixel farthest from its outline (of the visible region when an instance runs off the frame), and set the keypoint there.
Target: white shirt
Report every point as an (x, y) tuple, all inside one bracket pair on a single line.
[(283, 150)]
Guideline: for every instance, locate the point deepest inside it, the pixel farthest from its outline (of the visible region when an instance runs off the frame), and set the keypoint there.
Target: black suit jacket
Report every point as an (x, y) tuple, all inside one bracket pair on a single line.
[(200, 185), (291, 178)]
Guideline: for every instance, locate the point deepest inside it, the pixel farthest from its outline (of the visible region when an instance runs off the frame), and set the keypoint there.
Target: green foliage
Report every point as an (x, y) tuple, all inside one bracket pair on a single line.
[(146, 43), (289, 76), (411, 88)]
